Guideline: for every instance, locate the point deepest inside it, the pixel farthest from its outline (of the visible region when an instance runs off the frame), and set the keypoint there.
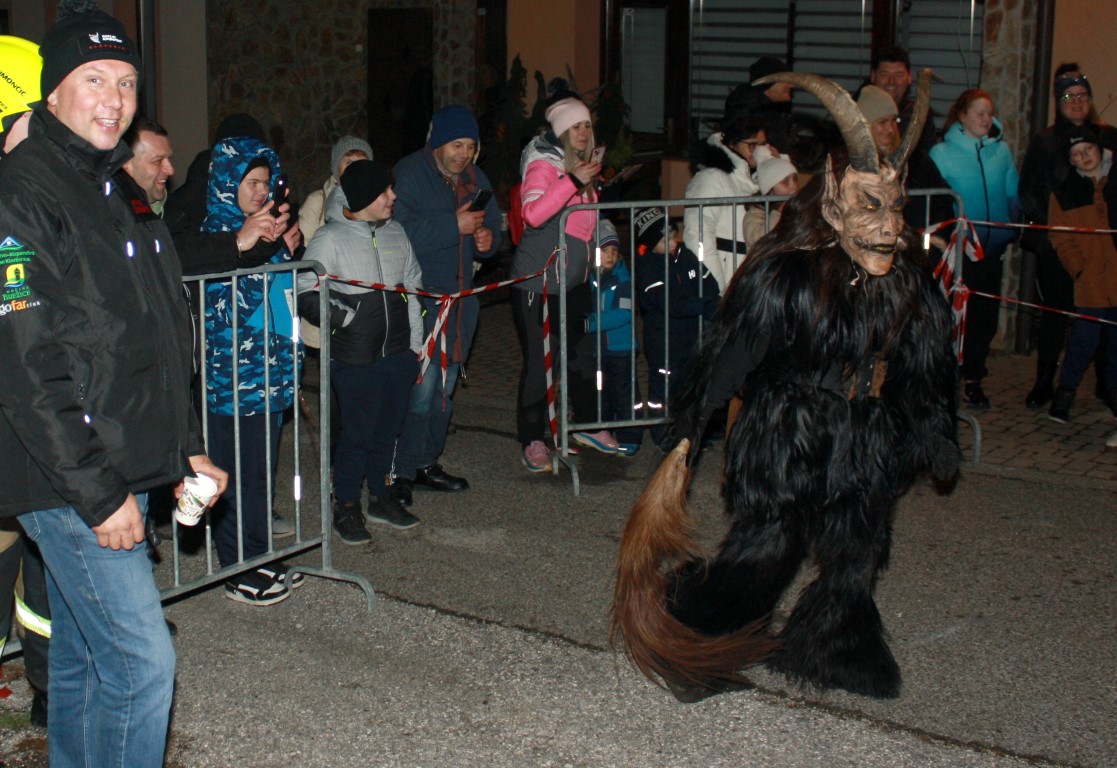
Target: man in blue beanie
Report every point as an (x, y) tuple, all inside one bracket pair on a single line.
[(436, 187)]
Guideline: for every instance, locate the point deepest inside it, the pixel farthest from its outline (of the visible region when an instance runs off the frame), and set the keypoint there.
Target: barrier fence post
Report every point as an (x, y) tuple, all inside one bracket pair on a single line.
[(651, 414), (203, 575)]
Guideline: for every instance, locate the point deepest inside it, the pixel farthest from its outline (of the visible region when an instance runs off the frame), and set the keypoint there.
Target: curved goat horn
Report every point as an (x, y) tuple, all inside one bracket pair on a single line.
[(855, 129), (918, 120)]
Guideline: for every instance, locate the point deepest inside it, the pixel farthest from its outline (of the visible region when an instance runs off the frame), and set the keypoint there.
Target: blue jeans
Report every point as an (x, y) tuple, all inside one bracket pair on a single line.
[(424, 430), (112, 665)]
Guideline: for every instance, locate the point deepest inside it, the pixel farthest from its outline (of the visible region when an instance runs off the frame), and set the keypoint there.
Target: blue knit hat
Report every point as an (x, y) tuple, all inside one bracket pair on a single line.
[(453, 122)]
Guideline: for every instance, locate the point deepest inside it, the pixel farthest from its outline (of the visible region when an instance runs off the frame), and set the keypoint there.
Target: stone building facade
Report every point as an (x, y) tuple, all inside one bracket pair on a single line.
[(301, 70), (1007, 72)]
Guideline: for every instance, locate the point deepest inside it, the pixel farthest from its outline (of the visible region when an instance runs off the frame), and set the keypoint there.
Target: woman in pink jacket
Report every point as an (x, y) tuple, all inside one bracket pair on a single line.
[(557, 172)]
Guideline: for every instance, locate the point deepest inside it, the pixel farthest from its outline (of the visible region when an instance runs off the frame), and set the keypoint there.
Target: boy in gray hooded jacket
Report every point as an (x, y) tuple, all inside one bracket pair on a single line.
[(375, 339)]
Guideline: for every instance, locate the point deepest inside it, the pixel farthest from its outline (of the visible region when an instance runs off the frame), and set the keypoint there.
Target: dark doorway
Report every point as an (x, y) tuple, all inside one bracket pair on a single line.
[(400, 80)]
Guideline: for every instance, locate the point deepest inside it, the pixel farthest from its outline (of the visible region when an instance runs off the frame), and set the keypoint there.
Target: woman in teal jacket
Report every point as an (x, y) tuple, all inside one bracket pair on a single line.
[(978, 165)]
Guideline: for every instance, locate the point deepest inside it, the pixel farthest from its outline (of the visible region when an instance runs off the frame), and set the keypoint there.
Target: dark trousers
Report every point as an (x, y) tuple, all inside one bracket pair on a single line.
[(258, 434), (373, 400), (620, 391), (982, 314), (1086, 337), (18, 552), (1055, 289), (665, 378), (532, 422)]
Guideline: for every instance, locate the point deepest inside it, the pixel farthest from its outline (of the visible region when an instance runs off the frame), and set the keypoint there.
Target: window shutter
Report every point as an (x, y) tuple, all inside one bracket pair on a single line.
[(938, 34), (726, 37), (833, 38)]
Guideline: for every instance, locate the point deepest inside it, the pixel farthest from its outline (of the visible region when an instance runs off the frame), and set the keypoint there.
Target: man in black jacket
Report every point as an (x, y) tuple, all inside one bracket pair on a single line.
[(97, 411)]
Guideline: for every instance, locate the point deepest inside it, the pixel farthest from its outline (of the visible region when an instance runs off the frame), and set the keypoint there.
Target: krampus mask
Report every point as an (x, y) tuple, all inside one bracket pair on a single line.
[(866, 207)]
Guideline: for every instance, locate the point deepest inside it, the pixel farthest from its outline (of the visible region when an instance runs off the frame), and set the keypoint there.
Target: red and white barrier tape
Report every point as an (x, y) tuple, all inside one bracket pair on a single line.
[(438, 332)]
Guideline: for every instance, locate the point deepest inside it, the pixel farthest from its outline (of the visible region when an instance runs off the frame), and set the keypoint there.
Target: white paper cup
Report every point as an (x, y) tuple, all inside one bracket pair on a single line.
[(196, 496)]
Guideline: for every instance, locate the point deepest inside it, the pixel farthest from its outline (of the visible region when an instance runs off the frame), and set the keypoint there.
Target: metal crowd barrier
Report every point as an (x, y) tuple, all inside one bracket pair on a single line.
[(652, 414), (190, 573)]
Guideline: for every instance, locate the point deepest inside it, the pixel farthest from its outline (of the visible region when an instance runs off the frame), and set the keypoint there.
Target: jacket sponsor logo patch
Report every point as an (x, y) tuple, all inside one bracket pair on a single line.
[(18, 305), (14, 257)]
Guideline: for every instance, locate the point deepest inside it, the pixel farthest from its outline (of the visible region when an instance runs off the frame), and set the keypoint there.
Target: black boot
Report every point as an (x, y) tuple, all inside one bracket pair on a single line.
[(1060, 405), (1044, 388), (38, 708), (1111, 400), (973, 396)]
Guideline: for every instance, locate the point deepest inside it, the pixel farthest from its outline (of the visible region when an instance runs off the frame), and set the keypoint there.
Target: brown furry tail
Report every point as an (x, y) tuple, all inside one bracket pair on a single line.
[(659, 529)]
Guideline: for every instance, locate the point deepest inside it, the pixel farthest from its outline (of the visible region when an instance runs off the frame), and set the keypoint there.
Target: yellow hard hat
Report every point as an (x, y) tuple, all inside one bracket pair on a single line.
[(20, 66)]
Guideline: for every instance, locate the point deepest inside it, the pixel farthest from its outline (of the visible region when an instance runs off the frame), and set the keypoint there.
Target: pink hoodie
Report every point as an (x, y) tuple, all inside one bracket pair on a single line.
[(546, 190)]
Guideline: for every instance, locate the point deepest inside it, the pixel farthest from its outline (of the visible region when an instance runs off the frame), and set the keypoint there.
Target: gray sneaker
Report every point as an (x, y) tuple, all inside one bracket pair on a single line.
[(389, 511), (281, 527)]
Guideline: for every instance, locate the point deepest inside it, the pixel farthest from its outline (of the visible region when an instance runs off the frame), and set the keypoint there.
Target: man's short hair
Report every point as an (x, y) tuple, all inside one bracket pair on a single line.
[(132, 135), (891, 53)]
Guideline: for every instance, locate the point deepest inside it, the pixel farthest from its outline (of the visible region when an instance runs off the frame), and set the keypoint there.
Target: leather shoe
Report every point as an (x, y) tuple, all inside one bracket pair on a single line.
[(438, 479)]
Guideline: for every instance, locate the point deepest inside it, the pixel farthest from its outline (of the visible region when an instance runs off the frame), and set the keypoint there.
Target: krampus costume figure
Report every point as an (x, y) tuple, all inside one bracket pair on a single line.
[(838, 345)]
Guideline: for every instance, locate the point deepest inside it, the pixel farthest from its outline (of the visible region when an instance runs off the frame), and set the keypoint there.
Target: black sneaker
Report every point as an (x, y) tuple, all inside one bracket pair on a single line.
[(389, 511), (282, 573), (348, 524), (402, 489), (255, 588), (1060, 405), (974, 397)]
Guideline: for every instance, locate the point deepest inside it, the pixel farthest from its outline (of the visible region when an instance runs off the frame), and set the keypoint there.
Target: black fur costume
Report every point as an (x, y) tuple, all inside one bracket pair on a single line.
[(817, 458), (848, 388)]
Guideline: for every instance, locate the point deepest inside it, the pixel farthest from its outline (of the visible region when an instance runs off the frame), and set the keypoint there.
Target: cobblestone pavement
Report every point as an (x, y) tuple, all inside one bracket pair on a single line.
[(1014, 439)]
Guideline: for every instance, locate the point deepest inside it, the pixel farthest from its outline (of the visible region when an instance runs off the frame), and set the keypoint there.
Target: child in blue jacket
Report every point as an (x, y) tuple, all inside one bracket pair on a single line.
[(612, 317)]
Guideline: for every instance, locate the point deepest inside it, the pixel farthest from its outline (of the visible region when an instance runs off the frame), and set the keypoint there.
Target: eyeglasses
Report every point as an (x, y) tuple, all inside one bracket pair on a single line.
[(1074, 98)]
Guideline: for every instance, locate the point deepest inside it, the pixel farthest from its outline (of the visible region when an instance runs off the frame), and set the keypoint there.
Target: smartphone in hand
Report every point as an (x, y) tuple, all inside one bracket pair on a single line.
[(480, 200), (280, 195), (598, 154)]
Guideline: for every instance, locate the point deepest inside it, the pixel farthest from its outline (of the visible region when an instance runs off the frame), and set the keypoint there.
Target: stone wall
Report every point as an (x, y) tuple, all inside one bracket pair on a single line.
[(301, 69), (1006, 72)]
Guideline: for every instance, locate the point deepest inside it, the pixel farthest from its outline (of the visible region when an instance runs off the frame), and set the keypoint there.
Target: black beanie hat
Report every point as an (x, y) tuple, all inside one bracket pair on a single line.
[(1068, 80), (240, 125), (363, 182), (1082, 134), (82, 34), (764, 66), (649, 227)]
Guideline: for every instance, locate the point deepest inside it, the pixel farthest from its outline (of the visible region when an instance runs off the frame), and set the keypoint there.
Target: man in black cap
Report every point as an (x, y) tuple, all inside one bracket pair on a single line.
[(98, 411), (770, 103), (805, 138)]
